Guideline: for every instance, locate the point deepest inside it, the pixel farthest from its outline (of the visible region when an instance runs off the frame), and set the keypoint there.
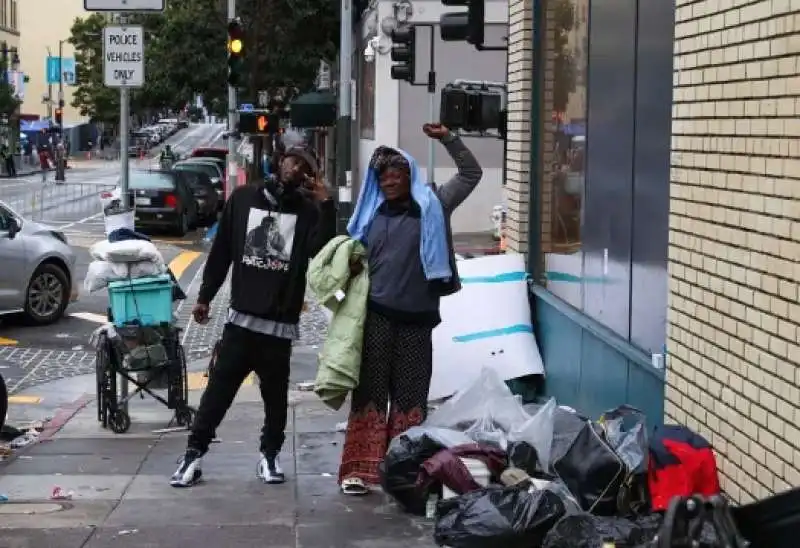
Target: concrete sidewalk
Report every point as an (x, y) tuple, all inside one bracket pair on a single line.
[(122, 497)]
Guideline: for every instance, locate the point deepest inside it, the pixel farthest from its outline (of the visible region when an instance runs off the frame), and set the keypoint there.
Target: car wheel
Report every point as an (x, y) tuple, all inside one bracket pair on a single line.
[(182, 226), (3, 401), (47, 296)]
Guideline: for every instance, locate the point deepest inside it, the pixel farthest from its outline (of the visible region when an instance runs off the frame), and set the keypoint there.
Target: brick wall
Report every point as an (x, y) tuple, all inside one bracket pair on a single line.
[(520, 78), (734, 257)]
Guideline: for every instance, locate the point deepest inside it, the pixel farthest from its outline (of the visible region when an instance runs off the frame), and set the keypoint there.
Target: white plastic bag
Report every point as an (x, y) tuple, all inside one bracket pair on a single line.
[(486, 411), (126, 251), (146, 268), (100, 273), (537, 432)]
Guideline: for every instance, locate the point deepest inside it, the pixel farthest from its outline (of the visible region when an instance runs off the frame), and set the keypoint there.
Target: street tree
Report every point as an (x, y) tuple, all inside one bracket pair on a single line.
[(8, 99), (90, 95), (285, 41)]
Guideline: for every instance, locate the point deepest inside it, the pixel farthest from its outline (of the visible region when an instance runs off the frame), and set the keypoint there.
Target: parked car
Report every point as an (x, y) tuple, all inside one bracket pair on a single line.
[(205, 195), (163, 200), (3, 401), (212, 168), (37, 278), (210, 152)]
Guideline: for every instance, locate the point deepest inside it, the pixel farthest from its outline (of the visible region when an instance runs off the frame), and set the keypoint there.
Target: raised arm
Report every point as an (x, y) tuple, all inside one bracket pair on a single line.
[(469, 174)]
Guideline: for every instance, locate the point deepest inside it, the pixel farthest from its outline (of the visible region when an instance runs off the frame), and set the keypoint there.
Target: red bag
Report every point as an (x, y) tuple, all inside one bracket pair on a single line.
[(682, 464)]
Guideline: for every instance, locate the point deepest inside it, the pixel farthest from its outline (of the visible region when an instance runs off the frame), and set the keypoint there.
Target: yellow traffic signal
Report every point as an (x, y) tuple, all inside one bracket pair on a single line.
[(235, 46)]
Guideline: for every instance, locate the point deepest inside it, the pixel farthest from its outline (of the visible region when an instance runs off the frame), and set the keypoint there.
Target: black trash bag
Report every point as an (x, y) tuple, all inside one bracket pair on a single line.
[(588, 531), (523, 455), (400, 468), (506, 516)]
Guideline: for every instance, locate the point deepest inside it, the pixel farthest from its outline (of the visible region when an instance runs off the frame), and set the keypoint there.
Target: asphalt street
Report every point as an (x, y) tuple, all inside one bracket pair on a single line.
[(33, 355)]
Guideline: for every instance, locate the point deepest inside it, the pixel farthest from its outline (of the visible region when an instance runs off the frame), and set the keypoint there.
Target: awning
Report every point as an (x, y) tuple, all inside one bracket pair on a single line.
[(313, 109)]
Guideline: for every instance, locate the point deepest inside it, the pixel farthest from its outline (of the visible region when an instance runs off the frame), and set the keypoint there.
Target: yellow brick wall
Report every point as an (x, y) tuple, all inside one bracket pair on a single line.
[(733, 373), (520, 78)]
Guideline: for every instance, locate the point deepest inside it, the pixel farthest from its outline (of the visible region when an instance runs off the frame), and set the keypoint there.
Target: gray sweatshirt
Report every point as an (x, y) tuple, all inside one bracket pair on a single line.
[(398, 287)]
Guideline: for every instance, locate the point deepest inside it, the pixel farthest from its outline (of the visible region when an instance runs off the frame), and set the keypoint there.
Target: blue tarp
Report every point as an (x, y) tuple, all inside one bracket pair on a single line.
[(36, 125)]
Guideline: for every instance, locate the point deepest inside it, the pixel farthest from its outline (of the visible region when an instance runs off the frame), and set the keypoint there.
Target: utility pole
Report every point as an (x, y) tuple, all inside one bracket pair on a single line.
[(60, 152), (49, 91), (345, 121), (124, 135), (232, 165)]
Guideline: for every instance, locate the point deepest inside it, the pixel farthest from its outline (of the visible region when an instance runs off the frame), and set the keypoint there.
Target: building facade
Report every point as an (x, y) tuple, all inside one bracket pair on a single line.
[(389, 112), (41, 32), (653, 181), (733, 372)]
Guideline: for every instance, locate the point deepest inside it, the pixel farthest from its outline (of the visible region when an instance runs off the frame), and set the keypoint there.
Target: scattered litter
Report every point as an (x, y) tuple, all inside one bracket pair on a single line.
[(3, 498), (23, 441), (127, 532), (62, 335), (170, 430), (78, 347), (314, 346), (216, 440), (59, 494), (326, 475), (25, 457), (341, 426), (307, 386)]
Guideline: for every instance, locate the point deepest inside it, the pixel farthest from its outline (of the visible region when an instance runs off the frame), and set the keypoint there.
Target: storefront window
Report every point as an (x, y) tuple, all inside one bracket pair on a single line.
[(563, 130)]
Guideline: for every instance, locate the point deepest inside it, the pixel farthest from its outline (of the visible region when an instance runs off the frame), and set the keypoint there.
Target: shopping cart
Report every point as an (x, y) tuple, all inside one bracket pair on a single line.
[(143, 348)]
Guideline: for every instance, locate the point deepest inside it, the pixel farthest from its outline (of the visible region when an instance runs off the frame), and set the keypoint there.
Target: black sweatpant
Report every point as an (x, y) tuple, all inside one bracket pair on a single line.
[(242, 352)]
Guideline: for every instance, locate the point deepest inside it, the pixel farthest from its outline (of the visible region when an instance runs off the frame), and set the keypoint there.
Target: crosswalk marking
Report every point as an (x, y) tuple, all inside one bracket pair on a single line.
[(90, 317)]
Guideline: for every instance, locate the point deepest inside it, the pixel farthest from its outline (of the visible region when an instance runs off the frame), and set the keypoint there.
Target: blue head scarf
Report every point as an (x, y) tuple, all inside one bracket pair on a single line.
[(434, 250)]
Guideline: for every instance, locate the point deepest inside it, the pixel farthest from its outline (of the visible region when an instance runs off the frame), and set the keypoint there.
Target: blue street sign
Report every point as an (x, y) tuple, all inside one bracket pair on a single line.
[(68, 70), (247, 107)]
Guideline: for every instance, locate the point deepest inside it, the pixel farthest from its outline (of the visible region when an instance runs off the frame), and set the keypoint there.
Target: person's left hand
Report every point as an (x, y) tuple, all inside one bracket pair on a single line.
[(435, 130), (318, 189)]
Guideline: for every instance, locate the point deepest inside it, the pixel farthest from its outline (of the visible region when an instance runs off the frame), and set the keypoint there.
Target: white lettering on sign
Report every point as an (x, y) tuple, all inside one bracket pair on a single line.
[(123, 56)]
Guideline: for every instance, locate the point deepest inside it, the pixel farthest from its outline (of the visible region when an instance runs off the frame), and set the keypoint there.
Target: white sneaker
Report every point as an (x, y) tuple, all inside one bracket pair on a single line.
[(189, 470), (269, 470)]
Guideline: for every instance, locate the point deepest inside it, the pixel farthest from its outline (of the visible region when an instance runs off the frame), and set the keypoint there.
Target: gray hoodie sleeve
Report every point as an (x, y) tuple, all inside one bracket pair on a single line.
[(461, 185)]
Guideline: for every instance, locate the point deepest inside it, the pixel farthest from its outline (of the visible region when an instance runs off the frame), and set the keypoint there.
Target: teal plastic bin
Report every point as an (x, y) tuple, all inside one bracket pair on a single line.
[(145, 301)]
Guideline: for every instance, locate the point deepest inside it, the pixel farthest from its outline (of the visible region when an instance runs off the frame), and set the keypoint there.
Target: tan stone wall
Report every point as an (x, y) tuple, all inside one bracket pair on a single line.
[(520, 78), (734, 257)]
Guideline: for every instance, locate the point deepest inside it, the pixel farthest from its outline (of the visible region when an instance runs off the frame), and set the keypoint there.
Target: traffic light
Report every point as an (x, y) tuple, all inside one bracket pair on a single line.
[(259, 123), (465, 25), (236, 51), (472, 109), (403, 52)]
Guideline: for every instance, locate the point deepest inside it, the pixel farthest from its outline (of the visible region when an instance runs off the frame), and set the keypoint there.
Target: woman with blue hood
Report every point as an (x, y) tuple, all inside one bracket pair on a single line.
[(405, 225)]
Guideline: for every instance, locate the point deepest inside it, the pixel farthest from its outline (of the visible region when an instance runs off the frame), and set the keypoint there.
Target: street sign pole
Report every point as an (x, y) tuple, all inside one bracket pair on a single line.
[(124, 118), (231, 160)]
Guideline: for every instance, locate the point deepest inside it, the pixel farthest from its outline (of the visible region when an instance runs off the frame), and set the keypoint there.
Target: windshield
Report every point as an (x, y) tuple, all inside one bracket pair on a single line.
[(207, 169), (150, 181)]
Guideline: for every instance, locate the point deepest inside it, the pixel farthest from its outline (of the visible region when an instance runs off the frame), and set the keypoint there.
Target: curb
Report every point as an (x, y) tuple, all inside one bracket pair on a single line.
[(63, 416)]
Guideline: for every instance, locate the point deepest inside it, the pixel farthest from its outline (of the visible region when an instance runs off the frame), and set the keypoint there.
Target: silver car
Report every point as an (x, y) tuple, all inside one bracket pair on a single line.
[(37, 274)]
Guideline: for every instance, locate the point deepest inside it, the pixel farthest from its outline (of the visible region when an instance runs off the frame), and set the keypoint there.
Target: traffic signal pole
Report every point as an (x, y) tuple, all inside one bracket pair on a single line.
[(345, 121), (231, 160), (432, 106)]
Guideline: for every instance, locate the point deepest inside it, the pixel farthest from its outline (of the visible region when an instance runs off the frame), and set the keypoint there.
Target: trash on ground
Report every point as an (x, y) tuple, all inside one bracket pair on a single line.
[(341, 426), (59, 494), (127, 532), (491, 470), (307, 386), (169, 430)]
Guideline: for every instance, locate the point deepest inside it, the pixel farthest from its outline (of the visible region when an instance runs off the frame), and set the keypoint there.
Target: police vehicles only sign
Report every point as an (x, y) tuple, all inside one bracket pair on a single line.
[(123, 56)]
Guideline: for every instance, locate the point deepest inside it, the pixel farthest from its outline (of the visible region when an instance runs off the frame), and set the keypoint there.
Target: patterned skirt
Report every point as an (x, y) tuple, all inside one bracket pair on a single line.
[(392, 393)]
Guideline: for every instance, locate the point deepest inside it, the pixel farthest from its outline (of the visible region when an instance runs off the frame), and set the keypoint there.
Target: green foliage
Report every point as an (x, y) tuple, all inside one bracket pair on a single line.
[(186, 53), (8, 102), (90, 95)]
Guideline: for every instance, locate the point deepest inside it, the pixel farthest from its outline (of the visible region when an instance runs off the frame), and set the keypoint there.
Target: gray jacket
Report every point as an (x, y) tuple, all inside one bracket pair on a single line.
[(451, 194)]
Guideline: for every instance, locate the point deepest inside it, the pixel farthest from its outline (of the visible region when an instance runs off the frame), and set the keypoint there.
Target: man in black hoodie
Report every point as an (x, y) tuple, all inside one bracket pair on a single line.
[(266, 235)]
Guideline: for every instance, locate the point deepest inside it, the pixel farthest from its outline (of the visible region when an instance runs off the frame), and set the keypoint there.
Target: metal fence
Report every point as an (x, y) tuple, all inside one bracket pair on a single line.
[(62, 202)]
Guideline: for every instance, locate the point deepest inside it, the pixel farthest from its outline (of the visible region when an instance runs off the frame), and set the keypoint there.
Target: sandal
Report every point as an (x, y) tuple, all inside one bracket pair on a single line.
[(354, 487)]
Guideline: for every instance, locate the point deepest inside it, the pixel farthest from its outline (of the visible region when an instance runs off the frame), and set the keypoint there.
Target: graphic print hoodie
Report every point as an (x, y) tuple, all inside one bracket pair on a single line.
[(268, 238)]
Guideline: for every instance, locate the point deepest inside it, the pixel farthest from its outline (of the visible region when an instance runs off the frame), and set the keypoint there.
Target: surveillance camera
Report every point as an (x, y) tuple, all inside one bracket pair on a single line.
[(369, 52)]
